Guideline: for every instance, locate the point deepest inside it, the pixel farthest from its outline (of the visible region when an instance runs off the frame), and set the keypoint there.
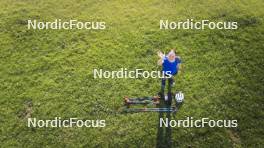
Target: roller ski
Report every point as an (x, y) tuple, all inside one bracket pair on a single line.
[(155, 100), (165, 109)]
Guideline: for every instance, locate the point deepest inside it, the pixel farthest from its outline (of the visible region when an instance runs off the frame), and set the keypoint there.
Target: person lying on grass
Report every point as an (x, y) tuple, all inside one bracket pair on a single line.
[(170, 64)]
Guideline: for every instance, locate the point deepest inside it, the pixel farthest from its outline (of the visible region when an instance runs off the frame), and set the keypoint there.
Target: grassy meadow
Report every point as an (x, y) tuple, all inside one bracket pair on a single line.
[(48, 73)]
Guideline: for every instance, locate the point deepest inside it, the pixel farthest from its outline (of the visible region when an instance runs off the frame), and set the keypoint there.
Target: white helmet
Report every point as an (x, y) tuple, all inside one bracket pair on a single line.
[(179, 97)]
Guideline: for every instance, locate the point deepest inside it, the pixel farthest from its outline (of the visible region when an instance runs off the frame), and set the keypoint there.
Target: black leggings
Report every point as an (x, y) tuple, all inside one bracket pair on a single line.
[(163, 83)]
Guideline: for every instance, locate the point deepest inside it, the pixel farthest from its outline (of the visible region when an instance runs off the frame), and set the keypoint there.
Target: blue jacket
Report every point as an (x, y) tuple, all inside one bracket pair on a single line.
[(170, 67)]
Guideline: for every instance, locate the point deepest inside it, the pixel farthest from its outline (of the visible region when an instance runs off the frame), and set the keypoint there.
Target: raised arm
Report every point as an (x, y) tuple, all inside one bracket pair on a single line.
[(161, 56)]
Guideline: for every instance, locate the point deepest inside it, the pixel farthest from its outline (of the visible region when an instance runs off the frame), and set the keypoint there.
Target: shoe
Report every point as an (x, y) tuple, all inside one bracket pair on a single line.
[(126, 100)]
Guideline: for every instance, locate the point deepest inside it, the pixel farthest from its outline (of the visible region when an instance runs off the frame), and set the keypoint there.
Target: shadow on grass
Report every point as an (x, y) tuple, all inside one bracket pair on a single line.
[(164, 133)]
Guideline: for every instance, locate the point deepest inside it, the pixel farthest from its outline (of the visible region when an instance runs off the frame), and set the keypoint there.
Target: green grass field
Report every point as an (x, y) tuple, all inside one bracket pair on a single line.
[(48, 73)]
